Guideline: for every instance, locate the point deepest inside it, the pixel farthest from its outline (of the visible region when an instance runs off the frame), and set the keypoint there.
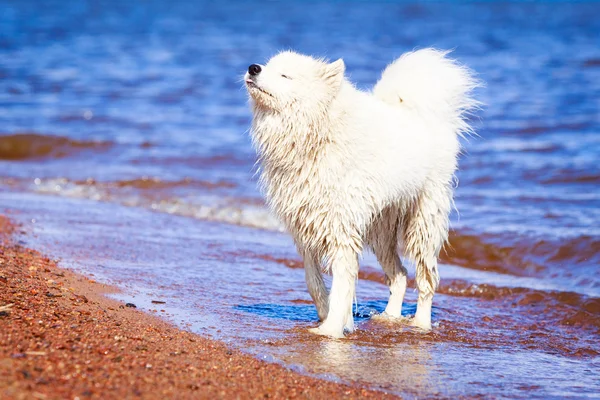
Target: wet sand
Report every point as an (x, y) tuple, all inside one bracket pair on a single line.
[(60, 337)]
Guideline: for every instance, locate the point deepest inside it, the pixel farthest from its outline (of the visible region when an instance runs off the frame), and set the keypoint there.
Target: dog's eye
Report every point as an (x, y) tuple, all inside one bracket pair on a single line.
[(285, 76)]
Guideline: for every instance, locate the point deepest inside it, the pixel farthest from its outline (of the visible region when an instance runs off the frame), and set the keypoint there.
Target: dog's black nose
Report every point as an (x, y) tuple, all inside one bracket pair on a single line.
[(254, 69)]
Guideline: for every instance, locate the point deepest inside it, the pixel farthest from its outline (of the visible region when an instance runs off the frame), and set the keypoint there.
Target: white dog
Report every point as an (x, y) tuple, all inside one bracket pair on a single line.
[(345, 169)]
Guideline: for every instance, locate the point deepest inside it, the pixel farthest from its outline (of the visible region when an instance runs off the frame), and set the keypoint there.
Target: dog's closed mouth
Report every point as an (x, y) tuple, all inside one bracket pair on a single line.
[(252, 84)]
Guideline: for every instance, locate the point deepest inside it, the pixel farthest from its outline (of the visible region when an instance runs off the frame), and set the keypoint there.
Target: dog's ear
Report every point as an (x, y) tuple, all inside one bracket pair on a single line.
[(334, 73)]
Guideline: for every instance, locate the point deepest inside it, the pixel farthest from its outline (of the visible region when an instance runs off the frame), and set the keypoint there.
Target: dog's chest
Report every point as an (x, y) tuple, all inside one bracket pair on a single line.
[(298, 189), (298, 176)]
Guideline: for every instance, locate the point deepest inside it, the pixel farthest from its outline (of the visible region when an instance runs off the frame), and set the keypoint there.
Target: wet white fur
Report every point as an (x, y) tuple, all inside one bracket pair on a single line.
[(346, 169)]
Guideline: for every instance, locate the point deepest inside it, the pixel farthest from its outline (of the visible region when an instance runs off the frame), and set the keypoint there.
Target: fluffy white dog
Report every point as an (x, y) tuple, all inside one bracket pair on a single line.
[(346, 169)]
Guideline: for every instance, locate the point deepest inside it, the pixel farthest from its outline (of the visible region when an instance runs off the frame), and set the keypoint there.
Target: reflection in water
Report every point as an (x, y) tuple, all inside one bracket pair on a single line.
[(389, 367)]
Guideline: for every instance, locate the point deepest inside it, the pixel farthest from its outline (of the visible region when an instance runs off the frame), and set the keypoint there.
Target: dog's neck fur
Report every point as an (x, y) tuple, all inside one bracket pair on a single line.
[(291, 137), (292, 148)]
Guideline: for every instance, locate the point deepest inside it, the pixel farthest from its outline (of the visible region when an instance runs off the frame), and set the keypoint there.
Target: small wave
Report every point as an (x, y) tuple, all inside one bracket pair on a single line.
[(573, 176), (528, 261), (25, 146), (517, 145), (172, 197), (592, 62), (509, 254), (222, 160), (152, 183), (540, 129)]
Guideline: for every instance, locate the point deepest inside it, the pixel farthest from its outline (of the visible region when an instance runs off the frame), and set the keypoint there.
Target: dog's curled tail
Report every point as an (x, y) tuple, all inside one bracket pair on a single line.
[(427, 81)]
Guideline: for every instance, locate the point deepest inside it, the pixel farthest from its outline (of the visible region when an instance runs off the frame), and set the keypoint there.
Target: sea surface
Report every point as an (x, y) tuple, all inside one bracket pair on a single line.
[(124, 151)]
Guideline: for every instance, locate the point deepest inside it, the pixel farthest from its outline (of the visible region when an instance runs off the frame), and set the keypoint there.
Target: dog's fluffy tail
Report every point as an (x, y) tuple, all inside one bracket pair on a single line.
[(429, 82)]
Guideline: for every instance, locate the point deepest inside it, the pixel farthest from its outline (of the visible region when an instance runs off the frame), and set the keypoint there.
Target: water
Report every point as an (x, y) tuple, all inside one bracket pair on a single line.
[(115, 117)]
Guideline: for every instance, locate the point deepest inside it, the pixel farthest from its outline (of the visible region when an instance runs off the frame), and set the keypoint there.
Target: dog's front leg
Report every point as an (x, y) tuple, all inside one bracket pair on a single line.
[(344, 267), (315, 283)]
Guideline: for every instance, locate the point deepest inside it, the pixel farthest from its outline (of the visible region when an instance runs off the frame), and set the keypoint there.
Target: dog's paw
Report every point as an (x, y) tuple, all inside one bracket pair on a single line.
[(324, 331), (350, 327), (420, 324)]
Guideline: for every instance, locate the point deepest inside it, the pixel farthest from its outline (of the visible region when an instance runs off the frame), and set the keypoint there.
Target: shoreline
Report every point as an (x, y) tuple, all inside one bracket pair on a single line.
[(61, 337)]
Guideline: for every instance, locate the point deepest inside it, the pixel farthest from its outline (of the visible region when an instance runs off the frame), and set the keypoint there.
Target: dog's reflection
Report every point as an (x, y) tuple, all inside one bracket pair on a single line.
[(395, 366)]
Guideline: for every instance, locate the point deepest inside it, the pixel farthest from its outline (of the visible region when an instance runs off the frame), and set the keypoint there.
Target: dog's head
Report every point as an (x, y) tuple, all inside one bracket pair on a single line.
[(294, 81)]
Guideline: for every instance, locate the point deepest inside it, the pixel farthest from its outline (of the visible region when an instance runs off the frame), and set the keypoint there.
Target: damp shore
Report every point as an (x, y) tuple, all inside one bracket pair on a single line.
[(61, 337)]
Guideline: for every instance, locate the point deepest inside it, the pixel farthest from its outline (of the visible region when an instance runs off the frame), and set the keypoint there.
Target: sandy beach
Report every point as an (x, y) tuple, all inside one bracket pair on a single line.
[(60, 337)]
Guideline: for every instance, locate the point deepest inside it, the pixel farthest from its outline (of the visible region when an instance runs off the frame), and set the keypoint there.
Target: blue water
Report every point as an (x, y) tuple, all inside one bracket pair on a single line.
[(142, 105)]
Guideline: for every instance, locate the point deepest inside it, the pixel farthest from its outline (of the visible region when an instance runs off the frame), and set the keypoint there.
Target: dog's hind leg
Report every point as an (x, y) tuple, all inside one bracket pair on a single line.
[(425, 231), (384, 241), (344, 268), (316, 285)]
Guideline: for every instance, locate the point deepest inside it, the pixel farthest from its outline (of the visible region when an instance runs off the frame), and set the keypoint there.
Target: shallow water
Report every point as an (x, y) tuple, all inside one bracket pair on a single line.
[(115, 117)]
